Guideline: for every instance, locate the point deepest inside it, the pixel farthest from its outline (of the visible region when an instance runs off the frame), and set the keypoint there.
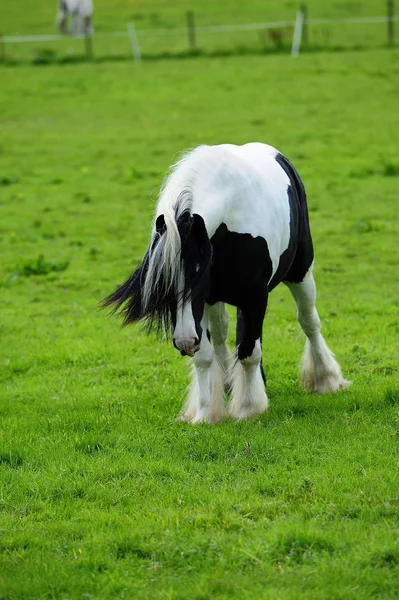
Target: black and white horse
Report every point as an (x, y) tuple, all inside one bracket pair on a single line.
[(231, 224), (81, 12)]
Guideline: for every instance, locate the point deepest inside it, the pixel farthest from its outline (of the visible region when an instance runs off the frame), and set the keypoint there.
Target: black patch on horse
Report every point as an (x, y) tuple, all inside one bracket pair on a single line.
[(296, 260), (241, 268), (196, 254)]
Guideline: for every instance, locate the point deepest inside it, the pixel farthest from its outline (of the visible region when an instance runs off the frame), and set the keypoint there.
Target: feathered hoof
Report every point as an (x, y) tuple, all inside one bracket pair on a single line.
[(327, 384), (324, 377), (203, 416), (246, 412), (332, 385)]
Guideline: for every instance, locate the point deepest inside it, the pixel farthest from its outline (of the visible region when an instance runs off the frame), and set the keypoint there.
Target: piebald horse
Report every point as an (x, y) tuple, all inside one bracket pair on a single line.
[(81, 12), (230, 225)]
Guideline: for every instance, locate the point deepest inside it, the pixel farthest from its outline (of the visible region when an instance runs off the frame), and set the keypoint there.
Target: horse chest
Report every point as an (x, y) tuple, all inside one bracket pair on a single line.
[(241, 266)]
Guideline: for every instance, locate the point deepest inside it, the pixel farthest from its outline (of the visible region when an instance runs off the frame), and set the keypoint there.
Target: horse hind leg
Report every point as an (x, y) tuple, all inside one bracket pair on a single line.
[(205, 402), (76, 23), (320, 372)]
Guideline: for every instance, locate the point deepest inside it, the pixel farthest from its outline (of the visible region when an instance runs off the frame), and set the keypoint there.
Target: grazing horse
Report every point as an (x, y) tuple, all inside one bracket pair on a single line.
[(82, 13), (231, 223)]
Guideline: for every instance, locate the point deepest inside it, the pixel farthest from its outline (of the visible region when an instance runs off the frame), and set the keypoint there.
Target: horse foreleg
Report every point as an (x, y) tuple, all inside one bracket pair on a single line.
[(219, 322), (320, 372), (249, 395), (76, 19), (62, 22), (205, 402)]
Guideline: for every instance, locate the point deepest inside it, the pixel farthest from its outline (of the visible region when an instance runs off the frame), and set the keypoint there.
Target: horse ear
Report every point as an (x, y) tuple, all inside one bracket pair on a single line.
[(198, 227), (160, 226), (201, 236)]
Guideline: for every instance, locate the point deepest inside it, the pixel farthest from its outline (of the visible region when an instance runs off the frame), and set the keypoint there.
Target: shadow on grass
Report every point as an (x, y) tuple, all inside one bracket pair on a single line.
[(47, 56), (298, 549), (316, 406), (11, 459)]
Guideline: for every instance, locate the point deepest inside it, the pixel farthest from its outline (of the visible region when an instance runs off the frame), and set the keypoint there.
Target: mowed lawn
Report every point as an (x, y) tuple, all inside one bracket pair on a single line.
[(103, 493)]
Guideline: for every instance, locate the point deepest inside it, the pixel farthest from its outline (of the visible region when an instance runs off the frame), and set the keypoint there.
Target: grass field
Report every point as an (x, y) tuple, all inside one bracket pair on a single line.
[(103, 494)]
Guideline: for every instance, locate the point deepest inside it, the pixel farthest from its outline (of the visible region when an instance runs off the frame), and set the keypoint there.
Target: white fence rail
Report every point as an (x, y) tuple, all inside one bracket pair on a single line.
[(16, 39), (134, 35)]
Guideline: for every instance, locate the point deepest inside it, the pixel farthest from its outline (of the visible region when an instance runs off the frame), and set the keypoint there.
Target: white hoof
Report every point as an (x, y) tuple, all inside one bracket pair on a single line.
[(203, 416), (324, 377), (331, 384), (245, 412), (249, 396)]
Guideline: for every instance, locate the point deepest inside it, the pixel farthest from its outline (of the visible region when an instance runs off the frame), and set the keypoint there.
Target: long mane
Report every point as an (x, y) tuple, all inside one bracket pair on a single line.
[(162, 280)]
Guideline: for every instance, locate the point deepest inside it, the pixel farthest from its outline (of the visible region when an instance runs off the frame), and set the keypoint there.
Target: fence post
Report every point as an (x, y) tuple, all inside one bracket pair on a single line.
[(390, 22), (2, 49), (134, 42), (305, 31), (297, 37), (191, 29)]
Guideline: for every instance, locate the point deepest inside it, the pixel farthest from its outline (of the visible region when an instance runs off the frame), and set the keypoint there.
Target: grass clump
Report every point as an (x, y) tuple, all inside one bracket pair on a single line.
[(41, 266), (297, 549)]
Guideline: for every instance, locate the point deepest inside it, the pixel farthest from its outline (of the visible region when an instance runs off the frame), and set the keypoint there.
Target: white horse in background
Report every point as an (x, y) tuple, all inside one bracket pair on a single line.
[(81, 12)]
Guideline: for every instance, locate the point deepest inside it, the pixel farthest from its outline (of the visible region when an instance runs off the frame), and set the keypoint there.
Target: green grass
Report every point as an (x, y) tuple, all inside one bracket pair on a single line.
[(103, 494)]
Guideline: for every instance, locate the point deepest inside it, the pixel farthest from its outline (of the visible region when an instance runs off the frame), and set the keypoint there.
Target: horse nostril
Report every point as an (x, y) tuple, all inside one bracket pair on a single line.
[(187, 347)]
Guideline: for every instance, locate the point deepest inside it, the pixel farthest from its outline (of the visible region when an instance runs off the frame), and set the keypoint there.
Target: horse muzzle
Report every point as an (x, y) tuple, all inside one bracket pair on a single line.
[(187, 347)]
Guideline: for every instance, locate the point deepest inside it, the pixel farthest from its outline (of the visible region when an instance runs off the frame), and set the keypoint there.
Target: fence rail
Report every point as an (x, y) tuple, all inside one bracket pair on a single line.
[(276, 31), (204, 29)]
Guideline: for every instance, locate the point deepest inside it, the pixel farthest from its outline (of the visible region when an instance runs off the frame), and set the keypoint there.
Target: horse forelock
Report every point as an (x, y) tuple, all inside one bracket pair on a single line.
[(177, 269), (164, 257)]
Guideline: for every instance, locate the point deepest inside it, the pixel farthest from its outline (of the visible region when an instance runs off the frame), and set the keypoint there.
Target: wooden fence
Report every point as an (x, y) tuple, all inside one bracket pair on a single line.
[(300, 30)]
